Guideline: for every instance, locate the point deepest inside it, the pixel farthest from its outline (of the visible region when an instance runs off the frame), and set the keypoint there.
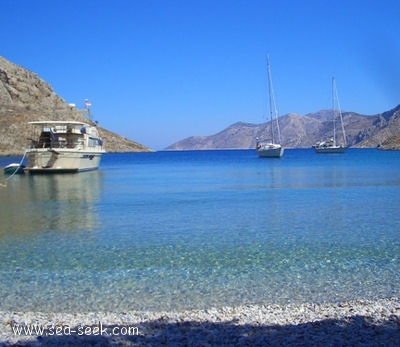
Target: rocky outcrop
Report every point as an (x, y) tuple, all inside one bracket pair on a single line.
[(25, 97)]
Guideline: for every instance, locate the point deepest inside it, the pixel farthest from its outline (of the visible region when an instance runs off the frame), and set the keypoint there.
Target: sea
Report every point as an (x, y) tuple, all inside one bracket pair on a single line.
[(183, 230)]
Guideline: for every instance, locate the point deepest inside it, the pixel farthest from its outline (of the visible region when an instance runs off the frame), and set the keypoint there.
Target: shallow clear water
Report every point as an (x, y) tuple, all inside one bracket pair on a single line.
[(184, 230)]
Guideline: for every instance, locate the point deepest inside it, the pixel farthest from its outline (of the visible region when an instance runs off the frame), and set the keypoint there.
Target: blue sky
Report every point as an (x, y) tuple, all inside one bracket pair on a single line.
[(160, 71)]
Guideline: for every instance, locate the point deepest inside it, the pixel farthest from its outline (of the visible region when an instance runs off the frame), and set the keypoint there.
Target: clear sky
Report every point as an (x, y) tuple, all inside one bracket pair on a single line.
[(158, 71)]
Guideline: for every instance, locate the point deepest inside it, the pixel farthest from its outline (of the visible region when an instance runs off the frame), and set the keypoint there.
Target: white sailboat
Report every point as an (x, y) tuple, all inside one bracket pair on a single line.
[(331, 145), (269, 148)]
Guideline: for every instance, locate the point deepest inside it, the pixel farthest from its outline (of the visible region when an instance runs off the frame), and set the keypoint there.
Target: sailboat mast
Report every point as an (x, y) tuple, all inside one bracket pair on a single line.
[(272, 105), (271, 98), (334, 111), (340, 113)]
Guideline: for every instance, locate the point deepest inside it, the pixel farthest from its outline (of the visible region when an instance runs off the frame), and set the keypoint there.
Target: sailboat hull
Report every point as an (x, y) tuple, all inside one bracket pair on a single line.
[(270, 151), (330, 150)]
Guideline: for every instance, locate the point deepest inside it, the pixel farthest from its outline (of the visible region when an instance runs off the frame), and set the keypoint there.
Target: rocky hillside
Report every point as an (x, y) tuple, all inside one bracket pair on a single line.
[(24, 97), (302, 131)]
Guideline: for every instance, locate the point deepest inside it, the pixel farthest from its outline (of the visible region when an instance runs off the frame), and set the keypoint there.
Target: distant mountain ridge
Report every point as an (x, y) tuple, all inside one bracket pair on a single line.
[(302, 131), (24, 97)]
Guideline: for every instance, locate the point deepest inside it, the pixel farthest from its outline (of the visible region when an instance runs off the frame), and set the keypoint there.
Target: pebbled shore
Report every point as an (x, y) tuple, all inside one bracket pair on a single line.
[(355, 323)]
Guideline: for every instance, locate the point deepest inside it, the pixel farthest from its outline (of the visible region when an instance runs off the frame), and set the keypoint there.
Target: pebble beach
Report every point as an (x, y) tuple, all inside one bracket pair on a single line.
[(353, 323)]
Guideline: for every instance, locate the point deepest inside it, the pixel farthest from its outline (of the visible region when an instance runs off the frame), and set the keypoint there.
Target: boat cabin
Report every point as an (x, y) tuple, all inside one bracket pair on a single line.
[(73, 135)]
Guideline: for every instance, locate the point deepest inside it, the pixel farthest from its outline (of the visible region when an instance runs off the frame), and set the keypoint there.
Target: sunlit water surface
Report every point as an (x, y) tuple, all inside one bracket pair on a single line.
[(191, 230)]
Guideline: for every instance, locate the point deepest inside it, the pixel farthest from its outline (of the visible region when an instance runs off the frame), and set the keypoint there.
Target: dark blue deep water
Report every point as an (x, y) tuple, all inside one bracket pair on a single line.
[(199, 229)]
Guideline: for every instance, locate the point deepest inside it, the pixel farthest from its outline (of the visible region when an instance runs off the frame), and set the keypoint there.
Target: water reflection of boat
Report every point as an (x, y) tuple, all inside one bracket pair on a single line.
[(61, 202)]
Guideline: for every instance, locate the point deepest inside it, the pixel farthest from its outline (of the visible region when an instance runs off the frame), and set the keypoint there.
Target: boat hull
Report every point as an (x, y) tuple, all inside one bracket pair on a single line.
[(330, 150), (62, 161), (14, 169), (270, 151)]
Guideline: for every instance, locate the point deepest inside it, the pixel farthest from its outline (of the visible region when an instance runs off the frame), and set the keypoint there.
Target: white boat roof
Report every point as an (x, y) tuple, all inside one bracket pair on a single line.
[(58, 122)]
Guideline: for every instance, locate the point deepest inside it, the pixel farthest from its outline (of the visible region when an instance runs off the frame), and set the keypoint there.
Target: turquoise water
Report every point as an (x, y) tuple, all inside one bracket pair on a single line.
[(191, 230)]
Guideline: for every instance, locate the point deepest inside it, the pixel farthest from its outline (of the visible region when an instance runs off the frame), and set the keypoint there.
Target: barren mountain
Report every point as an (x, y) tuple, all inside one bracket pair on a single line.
[(25, 97), (302, 131)]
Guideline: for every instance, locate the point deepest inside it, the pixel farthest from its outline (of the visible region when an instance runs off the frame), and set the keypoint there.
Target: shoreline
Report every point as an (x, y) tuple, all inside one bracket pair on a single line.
[(358, 322)]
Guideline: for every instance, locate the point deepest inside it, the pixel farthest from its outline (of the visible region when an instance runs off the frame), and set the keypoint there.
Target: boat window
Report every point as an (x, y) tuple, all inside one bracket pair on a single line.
[(45, 139), (60, 128), (93, 142)]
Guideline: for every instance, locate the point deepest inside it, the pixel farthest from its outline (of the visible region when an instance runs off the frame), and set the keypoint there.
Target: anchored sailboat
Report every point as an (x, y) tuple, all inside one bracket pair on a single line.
[(269, 148), (331, 145)]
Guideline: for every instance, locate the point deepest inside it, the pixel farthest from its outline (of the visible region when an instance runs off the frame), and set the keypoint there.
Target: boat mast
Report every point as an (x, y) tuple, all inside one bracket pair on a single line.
[(272, 105), (334, 111), (87, 108), (336, 97)]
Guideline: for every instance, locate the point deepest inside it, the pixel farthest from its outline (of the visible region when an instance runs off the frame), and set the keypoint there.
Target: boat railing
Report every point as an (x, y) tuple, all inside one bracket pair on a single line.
[(71, 138), (57, 142)]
